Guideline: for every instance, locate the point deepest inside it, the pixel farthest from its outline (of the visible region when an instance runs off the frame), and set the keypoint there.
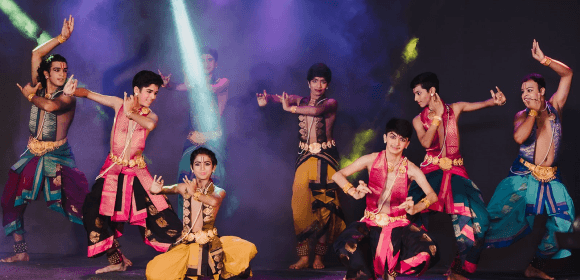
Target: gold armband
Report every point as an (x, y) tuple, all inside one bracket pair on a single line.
[(546, 61), (196, 195), (29, 97), (533, 113), (426, 202), (347, 187), (60, 39), (293, 109)]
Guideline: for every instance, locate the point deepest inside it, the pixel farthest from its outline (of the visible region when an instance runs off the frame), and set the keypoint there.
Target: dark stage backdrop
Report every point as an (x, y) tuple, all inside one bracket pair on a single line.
[(473, 46)]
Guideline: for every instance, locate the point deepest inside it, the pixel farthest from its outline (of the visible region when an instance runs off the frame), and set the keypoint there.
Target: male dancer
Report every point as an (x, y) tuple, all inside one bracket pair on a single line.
[(315, 206), (533, 188), (396, 246), (121, 192), (437, 131), (48, 162)]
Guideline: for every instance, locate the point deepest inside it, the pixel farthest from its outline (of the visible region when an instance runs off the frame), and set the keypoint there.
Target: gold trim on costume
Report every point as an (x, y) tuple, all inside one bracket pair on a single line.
[(444, 163), (316, 148), (138, 161), (541, 173), (382, 219), (202, 236), (40, 148)]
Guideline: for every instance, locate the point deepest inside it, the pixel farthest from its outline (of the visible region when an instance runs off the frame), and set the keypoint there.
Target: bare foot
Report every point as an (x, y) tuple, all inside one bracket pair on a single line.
[(533, 272), (20, 257), (455, 276), (301, 263), (112, 267), (126, 261), (317, 264)]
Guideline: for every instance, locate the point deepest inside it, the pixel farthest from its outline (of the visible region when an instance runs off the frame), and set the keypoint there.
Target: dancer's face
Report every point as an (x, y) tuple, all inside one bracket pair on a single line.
[(423, 96), (147, 94), (531, 92), (395, 143), (202, 167), (318, 86), (209, 63), (57, 74)]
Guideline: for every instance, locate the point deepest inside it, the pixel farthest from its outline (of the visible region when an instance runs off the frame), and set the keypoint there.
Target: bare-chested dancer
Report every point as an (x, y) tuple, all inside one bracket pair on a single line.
[(48, 163)]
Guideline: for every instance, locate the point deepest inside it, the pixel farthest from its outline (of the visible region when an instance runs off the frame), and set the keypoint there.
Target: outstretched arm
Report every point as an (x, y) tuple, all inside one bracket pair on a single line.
[(61, 103), (559, 98), (328, 106), (497, 99), (44, 49), (340, 179), (264, 98), (106, 100)]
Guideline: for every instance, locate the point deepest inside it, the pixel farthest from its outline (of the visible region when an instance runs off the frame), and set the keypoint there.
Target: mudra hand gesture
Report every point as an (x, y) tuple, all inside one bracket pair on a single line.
[(262, 98), (70, 86), (408, 206), (67, 27), (437, 104), (130, 104), (285, 101), (157, 185), (164, 78), (191, 186), (196, 138), (361, 190), (537, 53), (28, 89), (498, 97)]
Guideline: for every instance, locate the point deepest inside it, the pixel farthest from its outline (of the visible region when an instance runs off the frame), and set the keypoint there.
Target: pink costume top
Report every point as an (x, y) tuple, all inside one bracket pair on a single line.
[(451, 142), (399, 189), (136, 167)]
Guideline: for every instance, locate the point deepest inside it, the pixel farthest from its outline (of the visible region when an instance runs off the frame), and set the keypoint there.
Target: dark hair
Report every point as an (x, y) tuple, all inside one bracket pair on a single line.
[(427, 80), (536, 78), (400, 126), (319, 70), (210, 51), (146, 78), (45, 65), (203, 151)]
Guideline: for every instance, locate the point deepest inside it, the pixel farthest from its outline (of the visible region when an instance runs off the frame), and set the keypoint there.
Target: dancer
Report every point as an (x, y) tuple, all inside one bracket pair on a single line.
[(121, 192), (48, 162), (437, 131), (384, 243), (533, 187), (199, 252), (315, 206)]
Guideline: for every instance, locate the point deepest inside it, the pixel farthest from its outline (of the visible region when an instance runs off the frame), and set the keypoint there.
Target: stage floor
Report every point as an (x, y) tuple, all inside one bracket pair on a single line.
[(44, 266)]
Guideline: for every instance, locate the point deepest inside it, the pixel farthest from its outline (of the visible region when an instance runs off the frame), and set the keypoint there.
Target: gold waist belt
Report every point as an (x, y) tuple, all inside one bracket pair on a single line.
[(382, 219), (40, 148), (138, 161), (444, 163), (541, 173), (315, 148), (201, 236)]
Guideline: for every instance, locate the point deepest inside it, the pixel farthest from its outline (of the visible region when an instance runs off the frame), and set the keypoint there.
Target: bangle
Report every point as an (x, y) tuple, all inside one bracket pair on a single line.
[(546, 61), (426, 202), (60, 39), (533, 113), (196, 195), (436, 122), (29, 97), (293, 109), (347, 187)]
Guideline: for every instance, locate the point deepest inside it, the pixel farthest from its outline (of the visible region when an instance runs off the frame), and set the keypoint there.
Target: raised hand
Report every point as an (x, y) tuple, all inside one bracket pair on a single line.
[(537, 53), (67, 27), (164, 78), (285, 101), (28, 89), (408, 205), (262, 98), (196, 138), (130, 104), (70, 86), (361, 190), (157, 185), (191, 186), (498, 97), (437, 105)]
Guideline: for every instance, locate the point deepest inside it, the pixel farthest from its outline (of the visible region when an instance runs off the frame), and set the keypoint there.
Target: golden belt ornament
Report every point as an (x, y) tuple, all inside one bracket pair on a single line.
[(40, 148), (444, 163), (383, 219), (138, 161), (202, 236), (541, 173), (316, 148)]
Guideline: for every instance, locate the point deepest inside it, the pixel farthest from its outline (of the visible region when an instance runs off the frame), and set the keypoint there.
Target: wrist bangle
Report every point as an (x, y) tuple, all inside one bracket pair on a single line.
[(435, 122), (60, 39), (347, 187), (29, 97), (293, 109), (426, 202), (533, 113), (546, 61), (196, 195)]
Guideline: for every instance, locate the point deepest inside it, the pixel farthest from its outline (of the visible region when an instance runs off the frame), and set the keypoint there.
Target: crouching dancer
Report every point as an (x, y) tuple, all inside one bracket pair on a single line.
[(121, 192), (384, 243), (200, 252)]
